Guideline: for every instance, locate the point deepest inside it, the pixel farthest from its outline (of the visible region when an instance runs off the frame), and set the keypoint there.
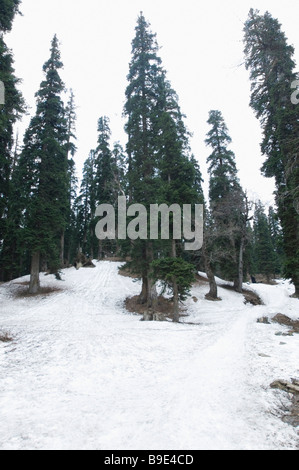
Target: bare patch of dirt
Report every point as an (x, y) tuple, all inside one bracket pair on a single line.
[(22, 290), (5, 337), (286, 321), (164, 307), (249, 296), (133, 306), (212, 299), (125, 272), (291, 413), (116, 259), (252, 298), (200, 280)]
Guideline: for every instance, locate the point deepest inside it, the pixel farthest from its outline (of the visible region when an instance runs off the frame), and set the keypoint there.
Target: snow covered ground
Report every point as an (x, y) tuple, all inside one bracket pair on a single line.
[(82, 373)]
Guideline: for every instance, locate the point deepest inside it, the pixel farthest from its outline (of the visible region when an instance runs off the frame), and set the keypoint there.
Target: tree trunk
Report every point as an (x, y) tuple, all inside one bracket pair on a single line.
[(176, 309), (62, 264), (239, 287), (151, 291), (213, 294), (143, 294), (100, 250), (152, 296), (34, 275)]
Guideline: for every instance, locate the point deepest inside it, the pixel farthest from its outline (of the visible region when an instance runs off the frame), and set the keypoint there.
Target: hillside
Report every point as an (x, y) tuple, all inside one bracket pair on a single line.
[(83, 373)]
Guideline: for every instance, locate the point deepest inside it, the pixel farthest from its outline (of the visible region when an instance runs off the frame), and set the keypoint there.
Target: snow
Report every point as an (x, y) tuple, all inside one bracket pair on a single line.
[(82, 373)]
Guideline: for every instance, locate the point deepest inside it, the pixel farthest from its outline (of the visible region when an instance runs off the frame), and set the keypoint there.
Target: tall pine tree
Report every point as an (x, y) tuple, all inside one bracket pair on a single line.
[(269, 58), (140, 110), (263, 249), (10, 112), (160, 168), (8, 10), (227, 203), (85, 207), (180, 182), (43, 171)]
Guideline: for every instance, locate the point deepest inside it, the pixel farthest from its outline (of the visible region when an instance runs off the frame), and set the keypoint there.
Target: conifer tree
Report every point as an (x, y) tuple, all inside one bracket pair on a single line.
[(227, 203), (10, 112), (270, 61), (102, 183), (104, 164), (66, 245), (160, 169), (277, 240), (264, 254), (8, 10), (85, 207), (44, 172), (180, 182), (141, 102)]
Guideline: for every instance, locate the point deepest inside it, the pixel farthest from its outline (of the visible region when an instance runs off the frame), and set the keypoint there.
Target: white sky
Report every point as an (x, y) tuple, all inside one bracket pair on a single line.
[(201, 48)]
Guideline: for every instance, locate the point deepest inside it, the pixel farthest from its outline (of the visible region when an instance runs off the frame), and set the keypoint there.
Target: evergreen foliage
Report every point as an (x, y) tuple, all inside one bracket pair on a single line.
[(227, 201), (8, 10), (10, 112), (44, 171), (270, 61), (160, 168), (263, 249), (46, 221)]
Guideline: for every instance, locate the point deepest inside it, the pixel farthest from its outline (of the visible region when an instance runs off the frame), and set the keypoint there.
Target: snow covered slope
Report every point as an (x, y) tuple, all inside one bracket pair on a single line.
[(82, 373)]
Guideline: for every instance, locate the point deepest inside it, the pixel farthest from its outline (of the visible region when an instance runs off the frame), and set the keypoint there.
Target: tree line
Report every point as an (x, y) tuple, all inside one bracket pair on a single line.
[(47, 217)]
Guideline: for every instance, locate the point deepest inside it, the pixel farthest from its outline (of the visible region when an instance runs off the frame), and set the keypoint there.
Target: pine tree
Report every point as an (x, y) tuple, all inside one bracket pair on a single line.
[(227, 203), (277, 240), (66, 246), (109, 171), (180, 182), (270, 61), (8, 10), (102, 183), (141, 102), (85, 207), (119, 169), (264, 254), (160, 168), (44, 172), (10, 112), (104, 164)]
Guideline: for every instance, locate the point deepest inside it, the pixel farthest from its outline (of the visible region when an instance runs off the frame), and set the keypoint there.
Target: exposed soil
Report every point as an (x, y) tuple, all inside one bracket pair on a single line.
[(250, 296), (164, 306), (291, 413), (21, 291), (124, 271), (5, 337), (286, 321)]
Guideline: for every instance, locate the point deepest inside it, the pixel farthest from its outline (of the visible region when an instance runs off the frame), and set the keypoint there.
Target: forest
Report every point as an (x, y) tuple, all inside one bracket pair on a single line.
[(48, 213)]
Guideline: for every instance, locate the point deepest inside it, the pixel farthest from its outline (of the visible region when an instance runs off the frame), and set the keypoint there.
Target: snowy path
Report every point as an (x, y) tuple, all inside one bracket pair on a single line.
[(84, 374)]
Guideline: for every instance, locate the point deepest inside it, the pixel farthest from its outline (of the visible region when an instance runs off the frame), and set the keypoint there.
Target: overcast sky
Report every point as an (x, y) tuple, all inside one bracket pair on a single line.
[(201, 48)]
